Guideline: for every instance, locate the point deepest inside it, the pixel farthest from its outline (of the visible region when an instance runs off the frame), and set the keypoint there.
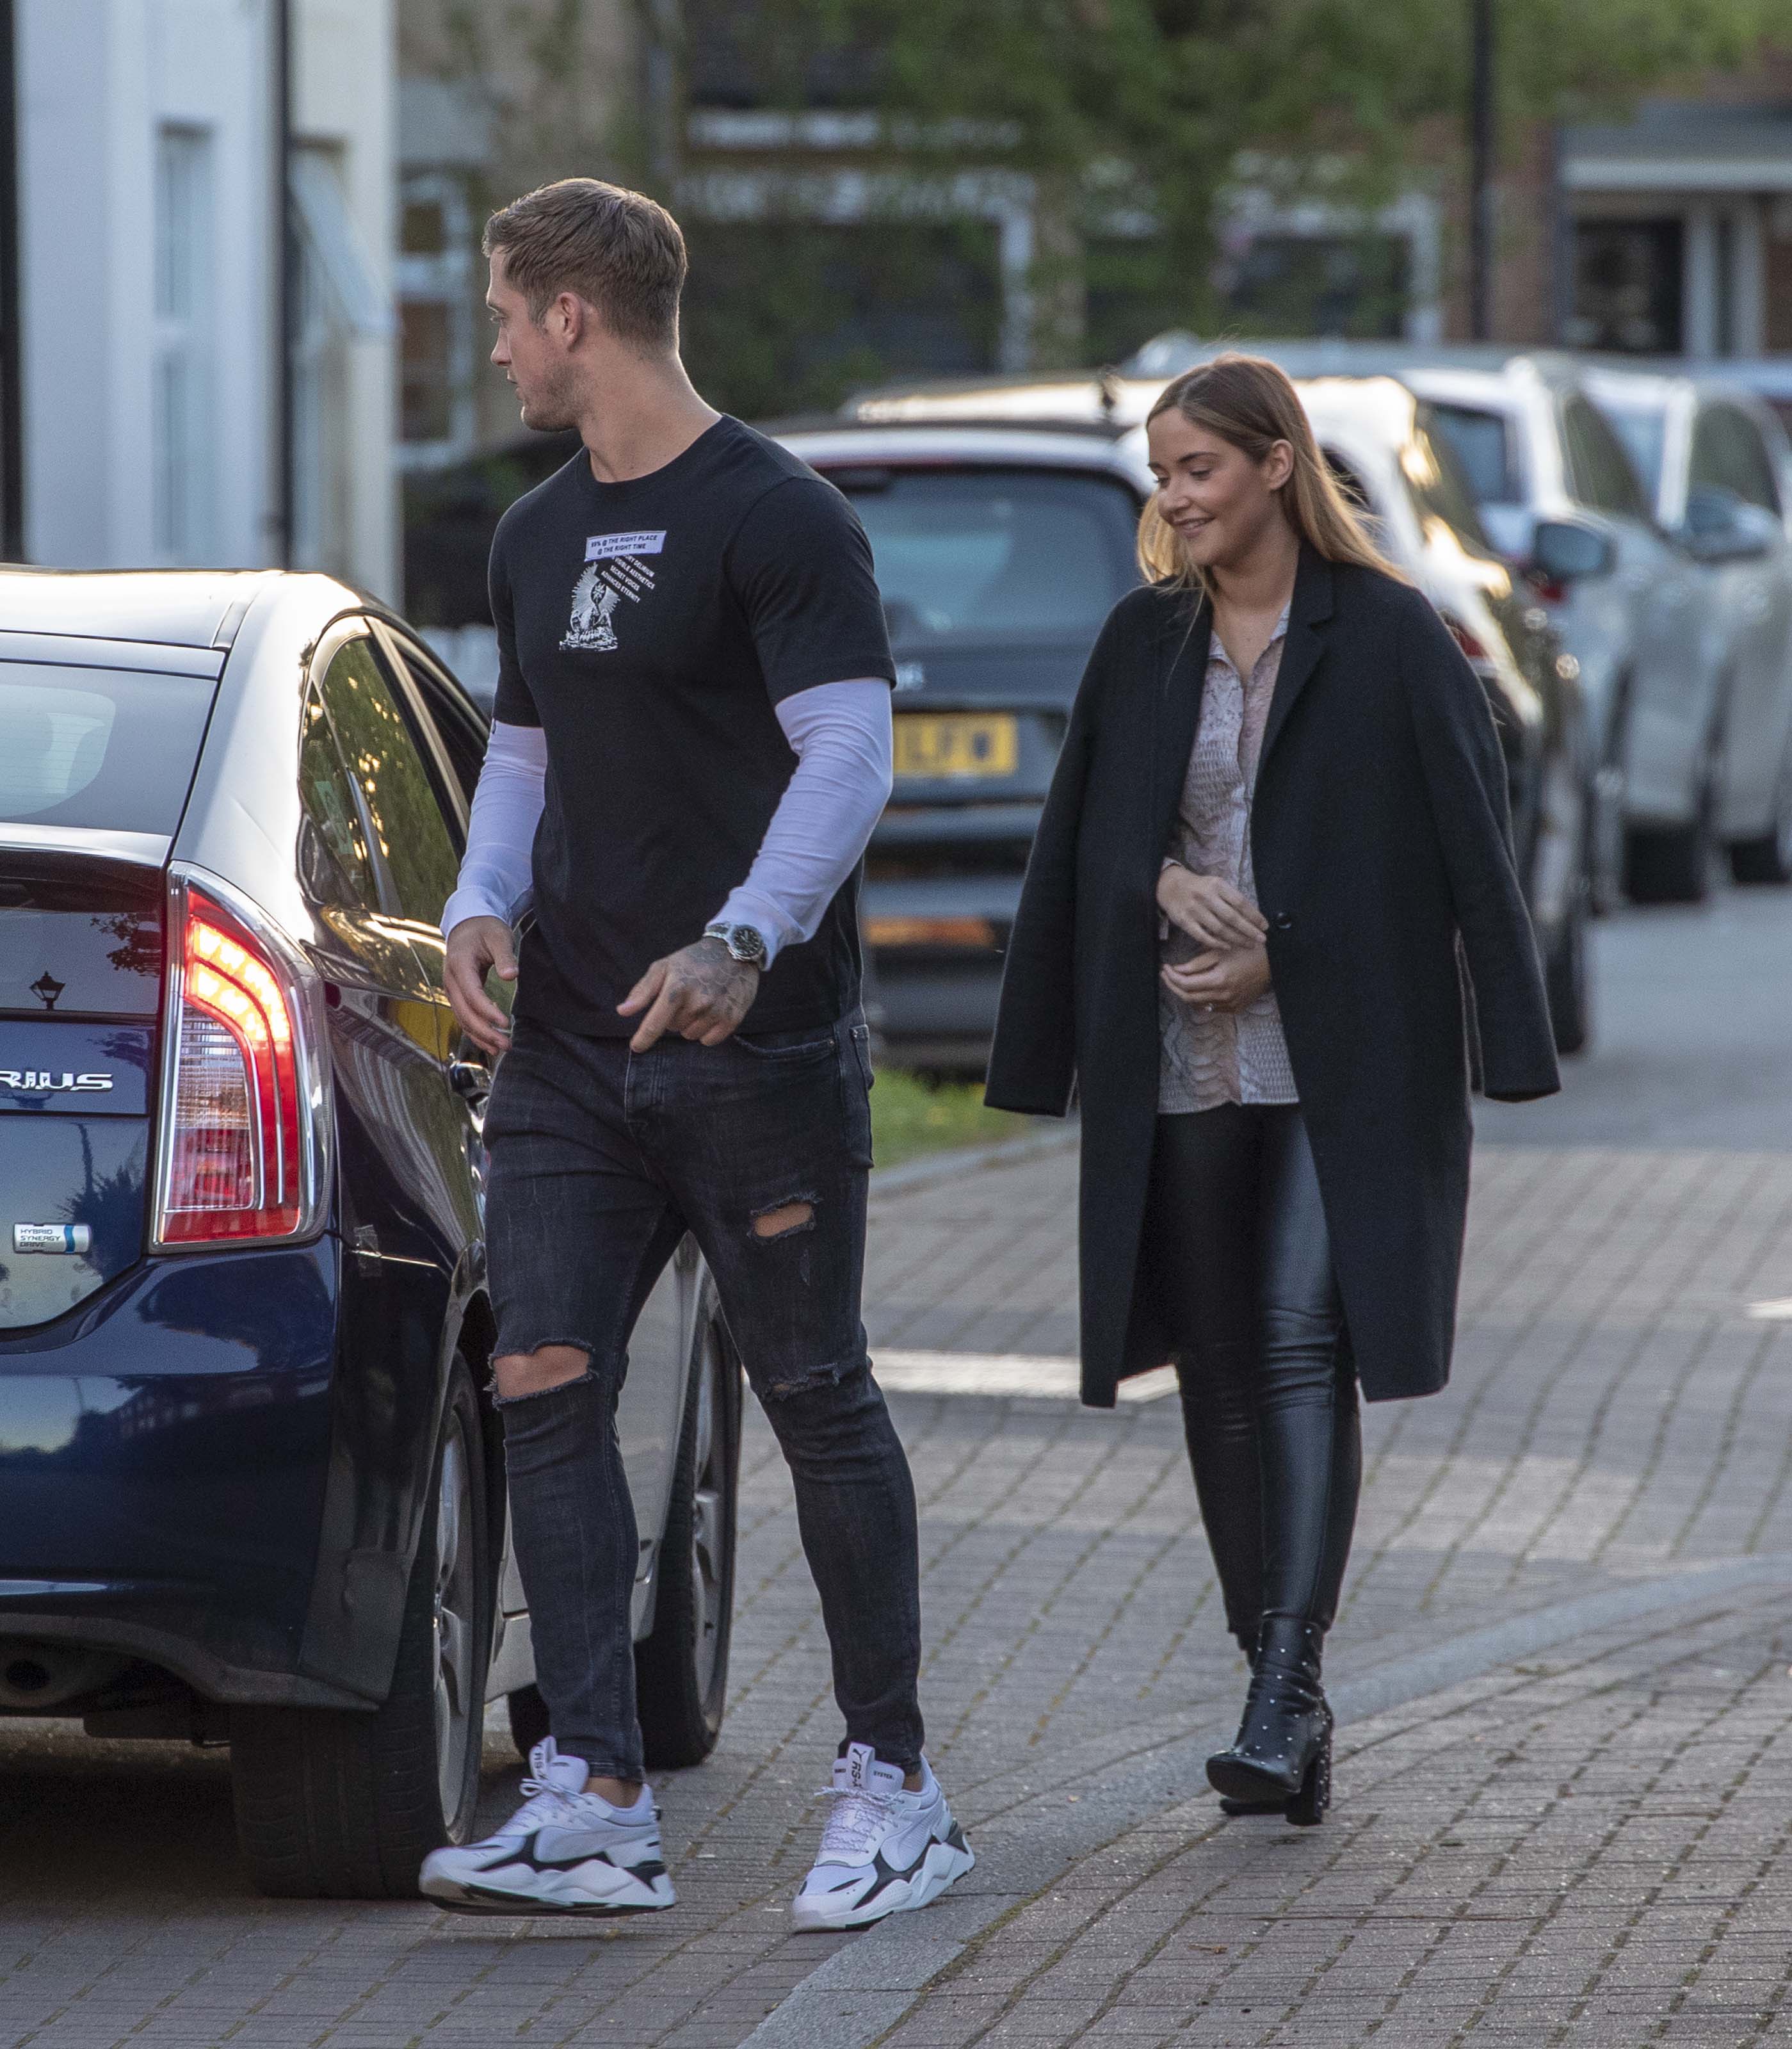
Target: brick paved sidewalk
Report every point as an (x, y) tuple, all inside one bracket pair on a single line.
[(1616, 1414), (1590, 1848)]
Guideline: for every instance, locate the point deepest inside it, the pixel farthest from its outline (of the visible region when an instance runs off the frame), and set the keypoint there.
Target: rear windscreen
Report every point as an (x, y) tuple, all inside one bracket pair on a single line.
[(1479, 443), (971, 556), (97, 747)]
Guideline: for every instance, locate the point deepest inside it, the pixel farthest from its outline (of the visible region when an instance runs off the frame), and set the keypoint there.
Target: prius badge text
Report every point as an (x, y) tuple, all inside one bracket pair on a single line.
[(31, 1081)]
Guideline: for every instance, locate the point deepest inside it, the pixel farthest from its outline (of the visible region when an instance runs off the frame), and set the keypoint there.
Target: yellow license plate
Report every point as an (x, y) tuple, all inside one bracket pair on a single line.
[(933, 746)]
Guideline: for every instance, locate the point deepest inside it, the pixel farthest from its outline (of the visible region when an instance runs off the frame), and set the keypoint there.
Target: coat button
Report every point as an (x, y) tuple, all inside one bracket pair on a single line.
[(1283, 921)]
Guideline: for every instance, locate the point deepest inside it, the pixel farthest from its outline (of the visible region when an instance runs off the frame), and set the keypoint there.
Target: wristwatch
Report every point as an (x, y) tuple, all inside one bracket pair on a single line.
[(745, 943)]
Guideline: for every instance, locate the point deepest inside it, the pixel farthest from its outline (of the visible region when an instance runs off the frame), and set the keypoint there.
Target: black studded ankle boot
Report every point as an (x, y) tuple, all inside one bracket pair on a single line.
[(1282, 1755)]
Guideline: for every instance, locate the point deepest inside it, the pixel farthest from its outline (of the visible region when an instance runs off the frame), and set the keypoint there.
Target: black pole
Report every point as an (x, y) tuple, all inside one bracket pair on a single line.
[(284, 254), (1480, 170), (12, 351)]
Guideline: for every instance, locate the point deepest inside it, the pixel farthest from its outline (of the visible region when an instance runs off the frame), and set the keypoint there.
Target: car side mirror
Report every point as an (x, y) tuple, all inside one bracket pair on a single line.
[(1564, 551), (1721, 527)]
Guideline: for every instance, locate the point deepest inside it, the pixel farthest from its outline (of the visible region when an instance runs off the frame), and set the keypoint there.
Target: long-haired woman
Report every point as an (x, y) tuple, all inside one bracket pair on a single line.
[(1276, 852)]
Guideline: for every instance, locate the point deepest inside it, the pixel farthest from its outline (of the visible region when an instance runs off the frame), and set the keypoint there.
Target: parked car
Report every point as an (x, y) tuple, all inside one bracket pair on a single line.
[(945, 867), (999, 552), (1561, 501), (254, 1483), (1717, 466)]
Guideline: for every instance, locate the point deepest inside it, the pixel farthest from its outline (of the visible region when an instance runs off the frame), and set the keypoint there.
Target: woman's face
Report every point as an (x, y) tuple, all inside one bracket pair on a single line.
[(1221, 502)]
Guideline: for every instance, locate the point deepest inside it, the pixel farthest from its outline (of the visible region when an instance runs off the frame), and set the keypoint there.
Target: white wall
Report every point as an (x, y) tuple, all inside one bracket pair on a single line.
[(99, 80)]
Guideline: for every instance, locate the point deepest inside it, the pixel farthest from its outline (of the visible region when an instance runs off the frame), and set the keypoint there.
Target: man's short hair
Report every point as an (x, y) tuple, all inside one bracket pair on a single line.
[(620, 251)]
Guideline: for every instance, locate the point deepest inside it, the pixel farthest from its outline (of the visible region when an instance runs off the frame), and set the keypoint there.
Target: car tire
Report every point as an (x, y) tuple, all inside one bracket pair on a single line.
[(1674, 865), (1567, 980), (340, 1805), (681, 1667), (1768, 857)]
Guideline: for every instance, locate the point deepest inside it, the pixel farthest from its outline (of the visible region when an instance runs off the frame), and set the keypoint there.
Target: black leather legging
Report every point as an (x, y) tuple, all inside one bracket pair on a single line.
[(1238, 1243)]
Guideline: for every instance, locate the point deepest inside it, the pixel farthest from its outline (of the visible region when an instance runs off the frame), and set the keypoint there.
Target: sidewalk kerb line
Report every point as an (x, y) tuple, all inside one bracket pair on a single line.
[(932, 1168), (864, 1988)]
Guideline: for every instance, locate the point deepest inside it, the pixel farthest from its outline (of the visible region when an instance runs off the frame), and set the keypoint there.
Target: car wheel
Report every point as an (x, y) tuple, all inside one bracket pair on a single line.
[(340, 1805), (680, 1669), (1674, 865), (1769, 858), (1566, 979)]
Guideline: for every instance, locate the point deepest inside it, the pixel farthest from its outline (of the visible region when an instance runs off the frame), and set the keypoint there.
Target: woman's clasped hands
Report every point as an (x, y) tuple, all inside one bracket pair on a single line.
[(1233, 969)]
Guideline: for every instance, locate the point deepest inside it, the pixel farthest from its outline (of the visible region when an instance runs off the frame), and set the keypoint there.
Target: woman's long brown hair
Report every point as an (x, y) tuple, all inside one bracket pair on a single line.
[(1250, 402)]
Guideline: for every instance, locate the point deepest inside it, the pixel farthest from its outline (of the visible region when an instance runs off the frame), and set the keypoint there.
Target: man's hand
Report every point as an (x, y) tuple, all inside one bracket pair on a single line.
[(700, 992), (1208, 909), (475, 947), (1230, 981)]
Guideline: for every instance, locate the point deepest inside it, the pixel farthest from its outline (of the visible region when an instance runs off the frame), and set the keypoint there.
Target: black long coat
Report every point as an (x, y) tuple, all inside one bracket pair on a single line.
[(1381, 847)]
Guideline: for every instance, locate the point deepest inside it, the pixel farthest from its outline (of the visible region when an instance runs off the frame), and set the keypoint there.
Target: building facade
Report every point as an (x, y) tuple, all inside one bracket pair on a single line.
[(149, 243)]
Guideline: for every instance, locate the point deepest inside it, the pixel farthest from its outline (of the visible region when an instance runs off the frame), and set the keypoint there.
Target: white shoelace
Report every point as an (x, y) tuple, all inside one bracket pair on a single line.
[(858, 1822)]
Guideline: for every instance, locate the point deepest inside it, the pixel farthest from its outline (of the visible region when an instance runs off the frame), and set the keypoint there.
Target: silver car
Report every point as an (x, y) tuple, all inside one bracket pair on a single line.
[(1561, 500), (1718, 466)]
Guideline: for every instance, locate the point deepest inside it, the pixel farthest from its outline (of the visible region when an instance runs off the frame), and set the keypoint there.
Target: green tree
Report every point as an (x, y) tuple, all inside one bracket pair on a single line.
[(1148, 104)]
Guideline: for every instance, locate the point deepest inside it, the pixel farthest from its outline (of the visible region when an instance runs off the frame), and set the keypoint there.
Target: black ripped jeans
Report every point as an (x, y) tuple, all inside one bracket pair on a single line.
[(601, 1159), (1241, 1260)]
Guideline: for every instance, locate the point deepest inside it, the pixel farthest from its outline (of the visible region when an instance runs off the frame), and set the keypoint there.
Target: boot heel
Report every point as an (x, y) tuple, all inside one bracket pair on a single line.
[(1306, 1809)]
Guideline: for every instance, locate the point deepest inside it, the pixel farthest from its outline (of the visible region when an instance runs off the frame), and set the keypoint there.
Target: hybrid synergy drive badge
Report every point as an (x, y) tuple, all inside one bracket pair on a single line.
[(52, 1238)]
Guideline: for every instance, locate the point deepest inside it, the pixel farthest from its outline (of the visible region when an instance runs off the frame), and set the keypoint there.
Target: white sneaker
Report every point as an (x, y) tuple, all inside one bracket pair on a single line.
[(884, 1848), (564, 1851)]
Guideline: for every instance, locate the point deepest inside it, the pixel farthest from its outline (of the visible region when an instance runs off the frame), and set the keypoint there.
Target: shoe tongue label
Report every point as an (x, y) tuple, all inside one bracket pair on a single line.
[(859, 1760)]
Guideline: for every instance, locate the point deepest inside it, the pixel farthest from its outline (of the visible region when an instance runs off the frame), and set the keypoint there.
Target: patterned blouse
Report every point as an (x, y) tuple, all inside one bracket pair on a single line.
[(1211, 1059)]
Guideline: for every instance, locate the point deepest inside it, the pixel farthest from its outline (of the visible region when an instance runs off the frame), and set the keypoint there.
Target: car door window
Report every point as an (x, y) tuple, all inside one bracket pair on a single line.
[(1435, 476), (411, 838), (1600, 469), (334, 860), (455, 728), (1727, 456), (1483, 446)]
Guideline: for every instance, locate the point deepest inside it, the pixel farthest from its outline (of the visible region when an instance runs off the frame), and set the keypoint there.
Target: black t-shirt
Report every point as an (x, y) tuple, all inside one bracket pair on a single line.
[(649, 628)]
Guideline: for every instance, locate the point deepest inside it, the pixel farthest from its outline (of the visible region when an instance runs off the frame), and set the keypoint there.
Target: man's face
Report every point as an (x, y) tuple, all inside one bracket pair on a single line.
[(535, 357)]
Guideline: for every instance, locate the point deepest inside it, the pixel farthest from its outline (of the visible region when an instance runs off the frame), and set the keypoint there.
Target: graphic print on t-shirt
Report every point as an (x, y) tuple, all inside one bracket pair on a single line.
[(612, 572)]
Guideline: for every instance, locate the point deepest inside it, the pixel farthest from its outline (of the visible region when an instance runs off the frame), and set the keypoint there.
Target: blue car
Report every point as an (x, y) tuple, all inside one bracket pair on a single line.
[(251, 1485)]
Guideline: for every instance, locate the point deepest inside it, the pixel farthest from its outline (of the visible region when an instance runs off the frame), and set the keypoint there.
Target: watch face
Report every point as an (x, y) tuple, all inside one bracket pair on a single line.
[(746, 944)]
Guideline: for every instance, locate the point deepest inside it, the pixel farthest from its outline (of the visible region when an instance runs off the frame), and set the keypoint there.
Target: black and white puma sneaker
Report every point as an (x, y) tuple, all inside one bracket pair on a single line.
[(564, 1851), (884, 1848)]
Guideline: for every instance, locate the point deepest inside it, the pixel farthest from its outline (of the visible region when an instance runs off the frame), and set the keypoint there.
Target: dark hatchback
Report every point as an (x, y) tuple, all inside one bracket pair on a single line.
[(252, 1484)]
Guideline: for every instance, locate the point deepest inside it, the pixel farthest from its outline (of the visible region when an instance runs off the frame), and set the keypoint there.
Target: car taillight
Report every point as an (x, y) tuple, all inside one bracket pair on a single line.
[(243, 1148)]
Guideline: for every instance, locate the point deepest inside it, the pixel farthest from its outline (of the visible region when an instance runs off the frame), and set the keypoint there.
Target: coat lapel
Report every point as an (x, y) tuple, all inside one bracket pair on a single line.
[(1181, 674), (1311, 607)]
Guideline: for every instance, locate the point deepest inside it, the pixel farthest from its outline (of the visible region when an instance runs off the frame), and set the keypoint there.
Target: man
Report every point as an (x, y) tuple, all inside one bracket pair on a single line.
[(693, 706)]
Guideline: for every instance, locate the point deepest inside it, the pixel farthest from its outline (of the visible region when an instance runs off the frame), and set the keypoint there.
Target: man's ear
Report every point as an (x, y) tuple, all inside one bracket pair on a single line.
[(567, 318)]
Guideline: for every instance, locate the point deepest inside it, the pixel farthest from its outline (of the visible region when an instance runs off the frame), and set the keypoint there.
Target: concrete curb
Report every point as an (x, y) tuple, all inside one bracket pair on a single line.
[(864, 1988), (932, 1168)]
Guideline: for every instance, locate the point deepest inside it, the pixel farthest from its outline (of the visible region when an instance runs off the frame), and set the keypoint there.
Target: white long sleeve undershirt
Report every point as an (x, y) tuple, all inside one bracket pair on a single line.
[(840, 735)]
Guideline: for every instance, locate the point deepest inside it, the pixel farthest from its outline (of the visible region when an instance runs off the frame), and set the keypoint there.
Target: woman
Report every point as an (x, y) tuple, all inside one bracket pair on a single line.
[(1277, 837)]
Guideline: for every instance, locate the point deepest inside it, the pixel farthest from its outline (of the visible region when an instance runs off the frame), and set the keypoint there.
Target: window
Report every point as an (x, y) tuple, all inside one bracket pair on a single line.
[(1601, 472), (438, 322), (1482, 445), (1643, 431), (99, 748), (333, 856), (1727, 456), (970, 555), (1440, 490), (183, 407), (461, 734), (1627, 286), (411, 840)]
